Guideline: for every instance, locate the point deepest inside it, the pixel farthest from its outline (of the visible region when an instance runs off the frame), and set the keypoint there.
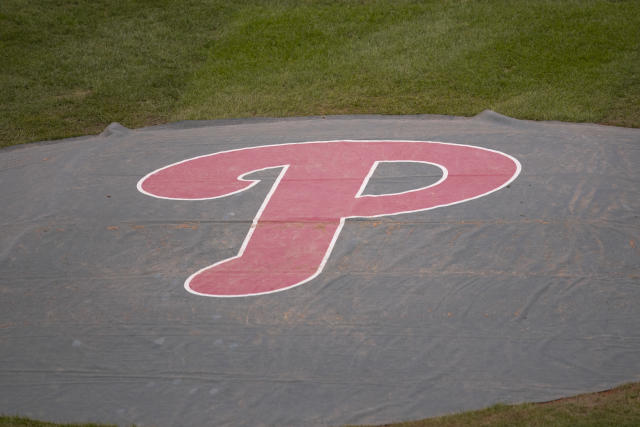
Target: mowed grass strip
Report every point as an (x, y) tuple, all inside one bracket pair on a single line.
[(71, 68), (616, 407)]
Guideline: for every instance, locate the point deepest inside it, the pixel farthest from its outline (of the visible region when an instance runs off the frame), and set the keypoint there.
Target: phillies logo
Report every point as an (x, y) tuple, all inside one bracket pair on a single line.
[(320, 185)]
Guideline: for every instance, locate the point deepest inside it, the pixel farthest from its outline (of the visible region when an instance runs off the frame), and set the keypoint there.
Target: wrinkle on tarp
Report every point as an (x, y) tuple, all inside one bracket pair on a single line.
[(527, 294)]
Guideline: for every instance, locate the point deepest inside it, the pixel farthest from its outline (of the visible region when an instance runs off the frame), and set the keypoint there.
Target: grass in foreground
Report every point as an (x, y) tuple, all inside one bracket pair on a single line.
[(71, 68), (617, 407)]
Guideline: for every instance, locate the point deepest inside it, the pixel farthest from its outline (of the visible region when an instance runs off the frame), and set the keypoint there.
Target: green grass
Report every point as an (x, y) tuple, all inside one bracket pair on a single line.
[(71, 68), (617, 407)]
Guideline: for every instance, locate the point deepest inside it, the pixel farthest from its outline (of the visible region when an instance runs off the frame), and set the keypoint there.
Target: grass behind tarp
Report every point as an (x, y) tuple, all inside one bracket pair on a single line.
[(71, 68), (575, 61)]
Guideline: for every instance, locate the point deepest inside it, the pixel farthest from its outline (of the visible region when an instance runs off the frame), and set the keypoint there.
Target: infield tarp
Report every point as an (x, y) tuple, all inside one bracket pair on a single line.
[(528, 293)]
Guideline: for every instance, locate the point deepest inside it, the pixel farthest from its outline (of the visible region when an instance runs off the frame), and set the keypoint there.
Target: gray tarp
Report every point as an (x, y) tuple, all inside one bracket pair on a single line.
[(528, 294)]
